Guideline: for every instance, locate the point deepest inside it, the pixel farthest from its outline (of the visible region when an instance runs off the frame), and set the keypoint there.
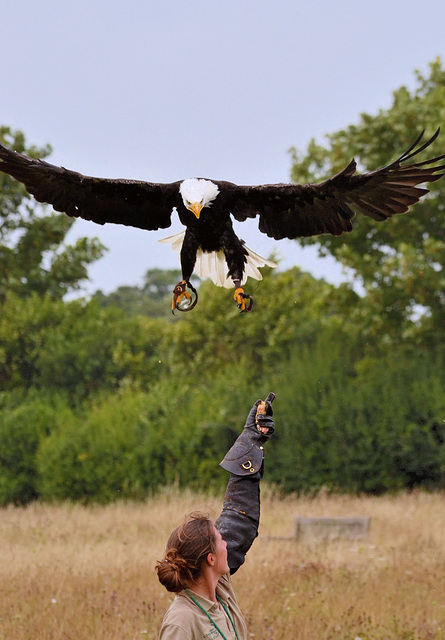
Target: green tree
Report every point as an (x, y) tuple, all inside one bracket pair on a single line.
[(152, 299), (399, 263), (290, 307), (351, 422), (33, 255), (75, 348), (24, 424)]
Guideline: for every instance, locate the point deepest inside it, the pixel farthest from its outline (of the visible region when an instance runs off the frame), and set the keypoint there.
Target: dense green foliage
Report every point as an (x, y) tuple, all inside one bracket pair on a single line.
[(153, 298), (113, 397)]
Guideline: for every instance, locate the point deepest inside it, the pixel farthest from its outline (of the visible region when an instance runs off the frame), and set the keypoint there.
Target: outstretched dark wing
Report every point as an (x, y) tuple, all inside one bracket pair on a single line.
[(295, 211), (145, 205)]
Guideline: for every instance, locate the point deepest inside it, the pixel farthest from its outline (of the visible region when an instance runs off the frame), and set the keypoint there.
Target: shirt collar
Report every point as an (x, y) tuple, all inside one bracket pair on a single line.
[(208, 605)]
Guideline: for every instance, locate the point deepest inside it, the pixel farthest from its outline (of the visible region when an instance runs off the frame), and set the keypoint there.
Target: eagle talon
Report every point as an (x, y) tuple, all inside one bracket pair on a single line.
[(182, 299), (243, 300)]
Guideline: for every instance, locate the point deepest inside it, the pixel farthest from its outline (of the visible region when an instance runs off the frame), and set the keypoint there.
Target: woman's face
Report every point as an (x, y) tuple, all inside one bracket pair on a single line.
[(220, 556)]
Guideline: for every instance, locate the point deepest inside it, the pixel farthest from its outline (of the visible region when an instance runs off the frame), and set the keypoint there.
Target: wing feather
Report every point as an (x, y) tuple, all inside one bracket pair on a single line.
[(284, 210), (295, 211), (145, 205)]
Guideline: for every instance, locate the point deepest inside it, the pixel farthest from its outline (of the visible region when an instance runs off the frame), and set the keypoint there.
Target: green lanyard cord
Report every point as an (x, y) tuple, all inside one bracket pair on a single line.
[(210, 617), (228, 615)]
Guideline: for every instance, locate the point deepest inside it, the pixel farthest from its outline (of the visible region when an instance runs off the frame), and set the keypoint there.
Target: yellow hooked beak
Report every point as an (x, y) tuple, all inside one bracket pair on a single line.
[(196, 209)]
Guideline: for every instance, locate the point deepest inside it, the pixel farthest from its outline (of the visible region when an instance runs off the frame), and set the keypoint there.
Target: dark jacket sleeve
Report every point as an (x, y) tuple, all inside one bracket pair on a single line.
[(240, 516)]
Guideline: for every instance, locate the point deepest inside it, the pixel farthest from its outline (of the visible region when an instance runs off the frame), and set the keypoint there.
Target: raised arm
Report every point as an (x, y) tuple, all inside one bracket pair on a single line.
[(239, 519)]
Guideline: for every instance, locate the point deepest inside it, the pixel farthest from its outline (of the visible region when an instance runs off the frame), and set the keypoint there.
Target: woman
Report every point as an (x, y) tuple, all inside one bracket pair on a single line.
[(201, 556)]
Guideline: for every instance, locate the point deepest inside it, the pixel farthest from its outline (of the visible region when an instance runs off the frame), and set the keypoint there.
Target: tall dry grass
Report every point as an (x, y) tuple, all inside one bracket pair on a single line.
[(69, 572)]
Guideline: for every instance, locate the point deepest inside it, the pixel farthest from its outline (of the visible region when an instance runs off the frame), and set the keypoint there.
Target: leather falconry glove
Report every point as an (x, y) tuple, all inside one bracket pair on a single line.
[(246, 456), (239, 519)]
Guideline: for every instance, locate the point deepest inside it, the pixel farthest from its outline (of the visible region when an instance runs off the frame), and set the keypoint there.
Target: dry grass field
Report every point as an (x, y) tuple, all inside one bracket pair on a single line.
[(74, 573)]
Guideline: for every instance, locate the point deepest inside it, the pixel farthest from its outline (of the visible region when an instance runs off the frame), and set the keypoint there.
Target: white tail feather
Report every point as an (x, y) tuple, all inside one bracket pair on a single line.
[(213, 265)]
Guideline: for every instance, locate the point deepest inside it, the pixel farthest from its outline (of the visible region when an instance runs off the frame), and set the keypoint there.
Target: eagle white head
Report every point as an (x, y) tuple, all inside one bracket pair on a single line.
[(198, 193)]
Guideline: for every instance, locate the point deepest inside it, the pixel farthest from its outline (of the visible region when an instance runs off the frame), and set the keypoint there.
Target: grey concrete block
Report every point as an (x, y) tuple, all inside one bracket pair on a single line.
[(331, 528)]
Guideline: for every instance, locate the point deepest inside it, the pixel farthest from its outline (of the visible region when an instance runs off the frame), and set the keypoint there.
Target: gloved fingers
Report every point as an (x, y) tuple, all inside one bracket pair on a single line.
[(266, 422), (269, 410), (268, 404), (250, 422)]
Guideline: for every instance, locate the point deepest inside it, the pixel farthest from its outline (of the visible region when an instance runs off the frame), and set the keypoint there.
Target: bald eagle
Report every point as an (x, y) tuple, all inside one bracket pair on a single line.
[(205, 207)]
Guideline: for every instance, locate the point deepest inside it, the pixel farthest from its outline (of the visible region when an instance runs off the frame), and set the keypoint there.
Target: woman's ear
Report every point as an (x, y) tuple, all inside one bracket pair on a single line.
[(210, 559)]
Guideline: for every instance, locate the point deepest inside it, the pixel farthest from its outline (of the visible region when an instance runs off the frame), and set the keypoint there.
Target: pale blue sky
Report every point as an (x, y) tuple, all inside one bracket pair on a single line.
[(221, 89)]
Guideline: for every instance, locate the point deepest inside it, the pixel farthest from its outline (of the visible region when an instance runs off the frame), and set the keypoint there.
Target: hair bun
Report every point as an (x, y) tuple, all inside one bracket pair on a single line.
[(187, 549), (176, 562)]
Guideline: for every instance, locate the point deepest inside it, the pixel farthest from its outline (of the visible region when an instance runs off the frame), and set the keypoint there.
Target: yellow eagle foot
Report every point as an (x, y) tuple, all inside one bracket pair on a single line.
[(182, 299), (243, 301)]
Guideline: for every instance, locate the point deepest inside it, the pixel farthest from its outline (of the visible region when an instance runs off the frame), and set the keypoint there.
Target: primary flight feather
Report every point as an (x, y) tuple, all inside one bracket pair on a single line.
[(209, 244)]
